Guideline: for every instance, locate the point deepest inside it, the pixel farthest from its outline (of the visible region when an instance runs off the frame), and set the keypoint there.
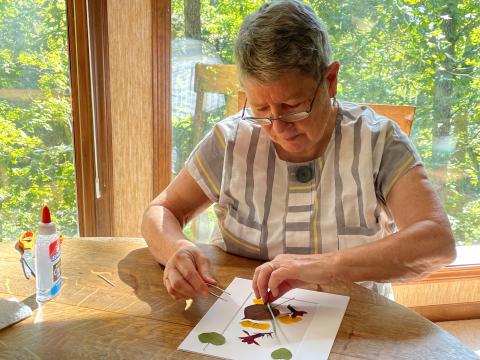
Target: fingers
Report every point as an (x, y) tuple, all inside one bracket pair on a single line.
[(254, 282), (179, 287), (191, 276), (282, 289), (260, 280), (186, 274), (276, 280), (171, 291), (203, 266)]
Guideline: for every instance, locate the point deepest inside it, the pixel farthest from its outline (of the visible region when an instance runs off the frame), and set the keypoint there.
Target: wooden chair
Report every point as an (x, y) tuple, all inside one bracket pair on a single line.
[(402, 114), (223, 79), (214, 78)]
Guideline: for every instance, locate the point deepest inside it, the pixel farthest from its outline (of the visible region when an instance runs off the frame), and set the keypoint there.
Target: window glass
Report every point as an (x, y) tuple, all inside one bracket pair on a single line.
[(420, 53), (36, 151)]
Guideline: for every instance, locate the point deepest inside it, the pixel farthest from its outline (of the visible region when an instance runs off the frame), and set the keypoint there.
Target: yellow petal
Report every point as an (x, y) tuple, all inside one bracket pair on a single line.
[(287, 319), (188, 303), (254, 325)]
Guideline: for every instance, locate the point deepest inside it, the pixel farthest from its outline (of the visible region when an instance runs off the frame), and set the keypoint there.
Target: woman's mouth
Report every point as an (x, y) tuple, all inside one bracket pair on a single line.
[(291, 138)]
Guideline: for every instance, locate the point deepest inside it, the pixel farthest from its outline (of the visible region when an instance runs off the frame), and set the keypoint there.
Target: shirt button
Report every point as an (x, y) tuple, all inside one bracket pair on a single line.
[(304, 174)]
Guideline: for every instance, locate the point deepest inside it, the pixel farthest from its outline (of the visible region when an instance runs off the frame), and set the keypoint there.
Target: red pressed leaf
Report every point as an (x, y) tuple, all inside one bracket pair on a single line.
[(294, 312)]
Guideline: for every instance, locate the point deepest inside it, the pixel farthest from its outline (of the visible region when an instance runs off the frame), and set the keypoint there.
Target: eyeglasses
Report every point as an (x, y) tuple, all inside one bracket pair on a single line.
[(290, 117)]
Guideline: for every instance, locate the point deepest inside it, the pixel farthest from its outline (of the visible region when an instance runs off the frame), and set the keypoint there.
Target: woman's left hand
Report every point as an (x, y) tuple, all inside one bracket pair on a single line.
[(285, 272)]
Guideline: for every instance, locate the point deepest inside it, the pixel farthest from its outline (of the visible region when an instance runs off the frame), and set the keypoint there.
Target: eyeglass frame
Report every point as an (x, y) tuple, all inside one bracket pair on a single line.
[(255, 119)]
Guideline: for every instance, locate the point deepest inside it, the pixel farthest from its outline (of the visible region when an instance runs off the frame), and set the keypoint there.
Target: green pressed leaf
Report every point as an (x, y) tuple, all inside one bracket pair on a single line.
[(282, 353), (213, 338)]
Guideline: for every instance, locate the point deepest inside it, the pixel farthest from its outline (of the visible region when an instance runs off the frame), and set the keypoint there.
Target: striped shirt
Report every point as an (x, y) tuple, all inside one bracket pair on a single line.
[(265, 206)]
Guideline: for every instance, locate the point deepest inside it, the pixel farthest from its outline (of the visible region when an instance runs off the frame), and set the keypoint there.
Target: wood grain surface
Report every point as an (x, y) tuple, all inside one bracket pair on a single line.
[(136, 319), (130, 59)]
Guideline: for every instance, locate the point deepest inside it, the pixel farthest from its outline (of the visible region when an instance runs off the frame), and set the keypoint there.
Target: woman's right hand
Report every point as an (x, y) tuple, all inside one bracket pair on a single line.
[(187, 273)]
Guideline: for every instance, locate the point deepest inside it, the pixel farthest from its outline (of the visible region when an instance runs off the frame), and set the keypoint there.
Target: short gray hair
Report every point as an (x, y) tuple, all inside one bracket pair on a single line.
[(282, 36)]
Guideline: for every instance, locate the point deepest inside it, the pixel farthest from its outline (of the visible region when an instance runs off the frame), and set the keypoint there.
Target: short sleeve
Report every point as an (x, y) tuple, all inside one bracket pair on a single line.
[(205, 163), (395, 154)]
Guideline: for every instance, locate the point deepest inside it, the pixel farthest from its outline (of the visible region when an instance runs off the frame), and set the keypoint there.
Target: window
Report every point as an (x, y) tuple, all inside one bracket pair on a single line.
[(36, 150), (421, 53)]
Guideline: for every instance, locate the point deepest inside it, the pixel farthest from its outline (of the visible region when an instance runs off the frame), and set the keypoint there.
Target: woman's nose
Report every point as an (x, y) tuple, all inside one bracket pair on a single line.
[(280, 126), (275, 111)]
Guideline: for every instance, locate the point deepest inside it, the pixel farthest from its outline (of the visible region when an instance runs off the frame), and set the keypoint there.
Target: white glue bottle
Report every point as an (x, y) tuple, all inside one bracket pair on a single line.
[(47, 259)]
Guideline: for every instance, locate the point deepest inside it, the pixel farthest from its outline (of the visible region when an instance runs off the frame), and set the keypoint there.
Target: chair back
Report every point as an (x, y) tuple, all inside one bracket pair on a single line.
[(214, 78), (402, 114)]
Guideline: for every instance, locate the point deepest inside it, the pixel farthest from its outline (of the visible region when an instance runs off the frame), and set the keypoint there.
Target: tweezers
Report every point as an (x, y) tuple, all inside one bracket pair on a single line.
[(218, 288), (274, 322)]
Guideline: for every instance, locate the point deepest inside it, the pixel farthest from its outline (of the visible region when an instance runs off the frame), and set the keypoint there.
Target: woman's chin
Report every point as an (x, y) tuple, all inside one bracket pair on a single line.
[(293, 146)]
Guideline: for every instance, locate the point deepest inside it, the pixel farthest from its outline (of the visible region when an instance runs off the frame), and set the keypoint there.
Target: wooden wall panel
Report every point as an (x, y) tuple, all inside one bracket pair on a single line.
[(130, 48)]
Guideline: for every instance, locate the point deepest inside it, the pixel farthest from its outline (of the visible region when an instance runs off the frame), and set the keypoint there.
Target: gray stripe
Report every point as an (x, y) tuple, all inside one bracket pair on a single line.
[(228, 167), (298, 250), (242, 220), (357, 142), (214, 169), (396, 153), (297, 226), (318, 193), (374, 136), (339, 213), (268, 201), (312, 195), (300, 208), (252, 149), (348, 115), (207, 148), (285, 213), (358, 230)]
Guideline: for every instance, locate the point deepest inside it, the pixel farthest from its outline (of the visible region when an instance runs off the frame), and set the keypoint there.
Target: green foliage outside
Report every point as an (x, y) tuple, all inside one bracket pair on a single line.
[(405, 52), (36, 151)]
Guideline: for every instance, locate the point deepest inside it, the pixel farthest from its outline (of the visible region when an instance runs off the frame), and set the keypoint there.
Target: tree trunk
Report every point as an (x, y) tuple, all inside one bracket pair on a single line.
[(193, 28), (461, 135), (442, 105)]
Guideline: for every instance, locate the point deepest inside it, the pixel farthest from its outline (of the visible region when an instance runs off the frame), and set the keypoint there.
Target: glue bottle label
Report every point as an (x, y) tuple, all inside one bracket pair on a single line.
[(47, 259), (54, 250)]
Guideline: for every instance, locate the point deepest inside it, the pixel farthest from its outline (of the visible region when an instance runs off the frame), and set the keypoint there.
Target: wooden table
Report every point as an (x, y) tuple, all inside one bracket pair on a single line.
[(136, 319)]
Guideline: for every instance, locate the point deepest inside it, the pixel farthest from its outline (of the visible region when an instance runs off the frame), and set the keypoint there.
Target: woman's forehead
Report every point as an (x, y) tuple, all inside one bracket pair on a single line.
[(287, 88)]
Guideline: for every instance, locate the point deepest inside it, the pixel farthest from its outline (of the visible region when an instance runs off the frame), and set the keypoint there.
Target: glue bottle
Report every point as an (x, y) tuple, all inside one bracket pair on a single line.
[(47, 259)]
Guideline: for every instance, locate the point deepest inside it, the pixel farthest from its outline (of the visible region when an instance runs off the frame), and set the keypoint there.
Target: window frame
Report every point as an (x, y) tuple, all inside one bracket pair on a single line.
[(87, 25), (162, 128)]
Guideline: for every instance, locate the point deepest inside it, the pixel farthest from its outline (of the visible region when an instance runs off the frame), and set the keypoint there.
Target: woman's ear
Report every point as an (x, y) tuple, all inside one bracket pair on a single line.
[(332, 78)]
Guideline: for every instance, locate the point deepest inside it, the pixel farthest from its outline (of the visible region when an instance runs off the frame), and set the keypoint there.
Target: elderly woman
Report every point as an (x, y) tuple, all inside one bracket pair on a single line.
[(325, 190)]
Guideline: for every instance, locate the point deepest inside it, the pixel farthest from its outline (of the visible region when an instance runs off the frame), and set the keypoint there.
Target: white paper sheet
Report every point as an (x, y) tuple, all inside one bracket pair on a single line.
[(310, 338)]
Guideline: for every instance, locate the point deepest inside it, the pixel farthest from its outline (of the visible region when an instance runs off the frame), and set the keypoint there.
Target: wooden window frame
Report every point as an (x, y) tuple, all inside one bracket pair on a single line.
[(449, 273), (443, 278), (87, 23), (162, 114)]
